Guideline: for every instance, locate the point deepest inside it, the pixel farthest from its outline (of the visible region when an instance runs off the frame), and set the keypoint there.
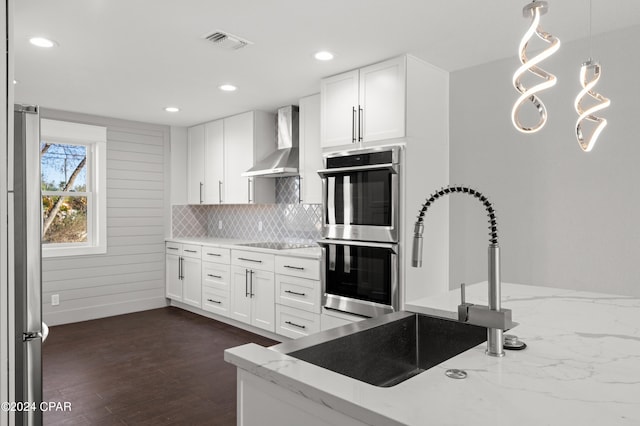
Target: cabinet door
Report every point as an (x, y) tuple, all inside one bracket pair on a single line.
[(192, 281), (195, 165), (214, 169), (310, 151), (173, 281), (382, 99), (262, 288), (339, 97), (238, 157), (240, 302)]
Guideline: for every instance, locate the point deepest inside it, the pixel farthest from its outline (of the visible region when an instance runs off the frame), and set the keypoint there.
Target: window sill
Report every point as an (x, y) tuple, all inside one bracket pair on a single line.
[(51, 252)]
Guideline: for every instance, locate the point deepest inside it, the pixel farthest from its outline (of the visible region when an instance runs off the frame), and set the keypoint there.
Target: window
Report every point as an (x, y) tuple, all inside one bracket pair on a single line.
[(73, 174)]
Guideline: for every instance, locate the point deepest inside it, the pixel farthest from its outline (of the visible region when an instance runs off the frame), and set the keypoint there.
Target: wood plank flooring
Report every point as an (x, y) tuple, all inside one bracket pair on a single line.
[(158, 367)]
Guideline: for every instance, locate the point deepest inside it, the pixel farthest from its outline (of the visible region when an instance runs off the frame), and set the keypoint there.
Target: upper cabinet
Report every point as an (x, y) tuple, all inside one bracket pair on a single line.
[(220, 151), (364, 105), (310, 151), (248, 137)]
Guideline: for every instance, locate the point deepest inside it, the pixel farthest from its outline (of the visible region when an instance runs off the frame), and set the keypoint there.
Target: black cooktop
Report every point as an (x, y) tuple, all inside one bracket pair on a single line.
[(275, 245)]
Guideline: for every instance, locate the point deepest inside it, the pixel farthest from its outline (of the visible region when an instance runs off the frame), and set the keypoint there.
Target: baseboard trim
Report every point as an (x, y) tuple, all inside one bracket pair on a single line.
[(102, 311), (232, 322)]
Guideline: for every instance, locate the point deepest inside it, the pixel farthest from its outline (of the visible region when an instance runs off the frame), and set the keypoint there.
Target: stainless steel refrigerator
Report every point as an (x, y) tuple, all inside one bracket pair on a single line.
[(25, 220)]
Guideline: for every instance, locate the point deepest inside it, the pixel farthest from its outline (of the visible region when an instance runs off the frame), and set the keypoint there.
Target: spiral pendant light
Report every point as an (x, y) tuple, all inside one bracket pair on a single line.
[(588, 68), (533, 10)]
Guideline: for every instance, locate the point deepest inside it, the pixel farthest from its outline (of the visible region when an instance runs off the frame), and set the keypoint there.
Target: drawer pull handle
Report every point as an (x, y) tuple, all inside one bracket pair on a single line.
[(297, 268), (214, 276), (173, 248), (214, 301), (214, 254), (295, 292), (250, 260), (190, 251), (295, 325)]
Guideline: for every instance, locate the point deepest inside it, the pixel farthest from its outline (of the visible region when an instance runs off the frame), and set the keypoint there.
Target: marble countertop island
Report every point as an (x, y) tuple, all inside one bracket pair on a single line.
[(581, 366)]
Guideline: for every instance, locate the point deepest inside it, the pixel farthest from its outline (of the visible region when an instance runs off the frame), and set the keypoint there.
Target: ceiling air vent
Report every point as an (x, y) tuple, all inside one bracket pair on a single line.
[(227, 41)]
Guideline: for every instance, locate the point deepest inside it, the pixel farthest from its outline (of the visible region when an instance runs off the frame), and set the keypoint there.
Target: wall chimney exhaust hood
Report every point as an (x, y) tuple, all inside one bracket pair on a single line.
[(284, 161)]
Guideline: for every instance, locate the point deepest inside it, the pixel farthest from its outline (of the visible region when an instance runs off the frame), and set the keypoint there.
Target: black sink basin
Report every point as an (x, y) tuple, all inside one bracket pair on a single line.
[(387, 350)]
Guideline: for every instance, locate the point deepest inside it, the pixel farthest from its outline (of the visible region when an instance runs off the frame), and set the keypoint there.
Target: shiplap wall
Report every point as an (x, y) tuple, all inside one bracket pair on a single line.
[(130, 276)]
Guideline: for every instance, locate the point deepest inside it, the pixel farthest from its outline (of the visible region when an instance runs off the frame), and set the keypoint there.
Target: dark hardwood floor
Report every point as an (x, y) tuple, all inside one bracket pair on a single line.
[(158, 367)]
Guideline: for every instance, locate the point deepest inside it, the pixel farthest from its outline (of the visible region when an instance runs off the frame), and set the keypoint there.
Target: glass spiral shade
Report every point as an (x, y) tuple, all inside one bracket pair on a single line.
[(533, 10), (587, 143)]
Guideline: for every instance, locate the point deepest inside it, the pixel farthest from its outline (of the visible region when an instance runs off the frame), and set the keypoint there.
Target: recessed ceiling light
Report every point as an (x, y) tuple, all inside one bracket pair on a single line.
[(42, 42), (172, 109), (228, 88), (324, 56)]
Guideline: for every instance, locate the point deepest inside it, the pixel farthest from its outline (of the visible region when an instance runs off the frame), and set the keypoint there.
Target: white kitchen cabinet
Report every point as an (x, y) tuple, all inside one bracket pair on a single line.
[(216, 280), (364, 105), (252, 297), (183, 273), (310, 150), (248, 137), (214, 162), (195, 164), (191, 281), (173, 281)]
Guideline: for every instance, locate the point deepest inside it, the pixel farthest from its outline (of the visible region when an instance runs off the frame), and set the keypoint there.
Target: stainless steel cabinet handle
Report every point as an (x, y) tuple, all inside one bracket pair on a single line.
[(246, 283), (214, 254), (201, 185), (353, 124), (214, 276), (295, 292), (173, 248), (295, 325), (250, 260), (180, 276), (191, 251), (297, 268), (249, 190), (214, 301), (251, 288), (299, 189), (220, 191), (360, 125)]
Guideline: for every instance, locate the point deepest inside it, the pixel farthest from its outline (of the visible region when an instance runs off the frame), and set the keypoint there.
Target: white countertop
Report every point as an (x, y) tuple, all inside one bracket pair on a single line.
[(232, 243), (581, 366)]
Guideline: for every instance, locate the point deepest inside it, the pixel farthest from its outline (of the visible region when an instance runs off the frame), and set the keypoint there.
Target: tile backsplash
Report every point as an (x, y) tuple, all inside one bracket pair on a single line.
[(284, 221)]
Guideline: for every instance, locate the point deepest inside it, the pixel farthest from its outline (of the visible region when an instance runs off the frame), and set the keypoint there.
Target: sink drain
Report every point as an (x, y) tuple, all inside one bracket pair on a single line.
[(454, 373)]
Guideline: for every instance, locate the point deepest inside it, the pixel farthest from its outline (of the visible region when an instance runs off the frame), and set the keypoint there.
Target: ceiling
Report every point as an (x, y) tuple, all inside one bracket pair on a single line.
[(131, 58)]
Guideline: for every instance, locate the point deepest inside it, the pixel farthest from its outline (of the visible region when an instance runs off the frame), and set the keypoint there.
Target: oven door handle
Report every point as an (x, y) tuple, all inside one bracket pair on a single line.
[(390, 246), (393, 168)]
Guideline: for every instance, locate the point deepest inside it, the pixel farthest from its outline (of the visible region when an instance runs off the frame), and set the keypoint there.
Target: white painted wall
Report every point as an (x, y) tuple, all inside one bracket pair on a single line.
[(566, 218), (130, 276)]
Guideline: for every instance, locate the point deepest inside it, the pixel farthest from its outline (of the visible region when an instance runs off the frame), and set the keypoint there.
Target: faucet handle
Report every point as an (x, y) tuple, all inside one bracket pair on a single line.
[(462, 293), (463, 307)]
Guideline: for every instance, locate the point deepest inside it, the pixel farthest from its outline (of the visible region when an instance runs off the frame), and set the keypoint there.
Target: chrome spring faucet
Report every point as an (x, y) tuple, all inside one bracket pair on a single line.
[(493, 316)]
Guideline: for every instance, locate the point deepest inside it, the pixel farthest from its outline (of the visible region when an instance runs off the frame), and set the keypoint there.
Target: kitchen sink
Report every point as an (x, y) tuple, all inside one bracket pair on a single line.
[(386, 350)]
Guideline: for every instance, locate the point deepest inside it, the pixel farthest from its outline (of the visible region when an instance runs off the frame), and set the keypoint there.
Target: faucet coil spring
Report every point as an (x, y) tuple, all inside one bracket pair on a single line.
[(493, 223)]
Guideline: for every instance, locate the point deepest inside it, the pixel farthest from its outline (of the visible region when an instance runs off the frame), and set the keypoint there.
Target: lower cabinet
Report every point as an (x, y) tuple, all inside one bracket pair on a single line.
[(253, 297), (294, 323), (191, 282), (216, 284), (173, 277)]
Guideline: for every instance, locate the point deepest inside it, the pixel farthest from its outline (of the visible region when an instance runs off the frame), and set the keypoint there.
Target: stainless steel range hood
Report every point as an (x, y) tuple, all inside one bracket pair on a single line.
[(284, 161)]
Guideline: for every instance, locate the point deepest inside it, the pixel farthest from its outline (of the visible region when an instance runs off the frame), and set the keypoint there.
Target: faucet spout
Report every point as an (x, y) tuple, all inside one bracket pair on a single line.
[(493, 316)]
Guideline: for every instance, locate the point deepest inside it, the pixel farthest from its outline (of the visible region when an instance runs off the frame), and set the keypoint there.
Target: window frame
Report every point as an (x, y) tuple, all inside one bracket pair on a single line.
[(94, 138)]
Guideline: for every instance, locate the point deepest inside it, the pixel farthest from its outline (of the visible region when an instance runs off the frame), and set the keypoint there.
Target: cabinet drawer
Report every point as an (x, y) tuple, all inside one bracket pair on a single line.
[(298, 293), (216, 275), (215, 254), (173, 248), (295, 323), (252, 260), (216, 301), (191, 250), (298, 267)]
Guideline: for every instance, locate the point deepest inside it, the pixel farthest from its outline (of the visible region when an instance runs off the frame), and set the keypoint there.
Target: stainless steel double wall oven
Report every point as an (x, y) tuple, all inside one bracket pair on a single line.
[(360, 228)]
